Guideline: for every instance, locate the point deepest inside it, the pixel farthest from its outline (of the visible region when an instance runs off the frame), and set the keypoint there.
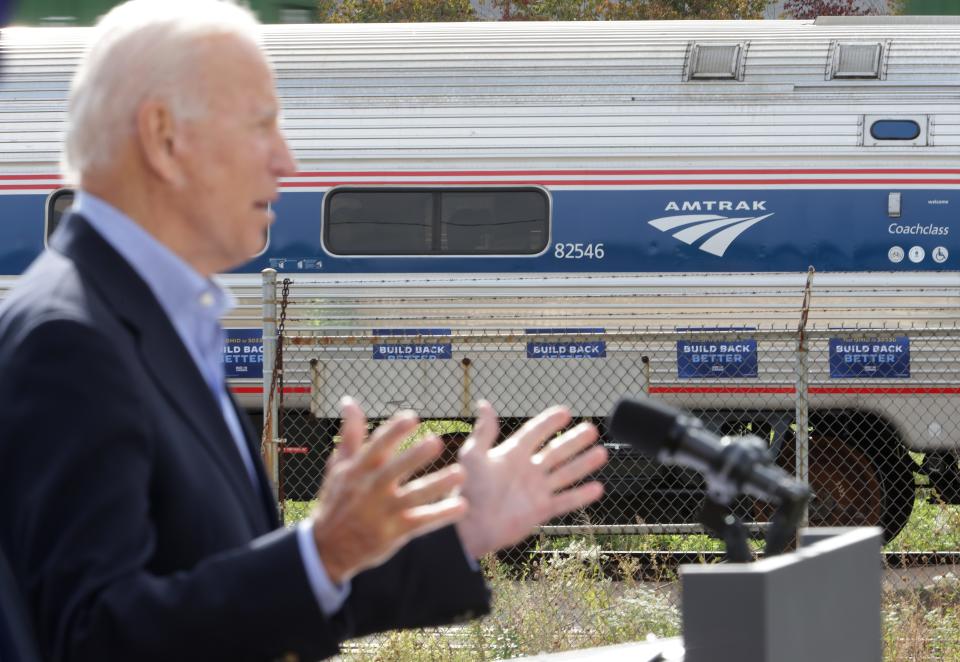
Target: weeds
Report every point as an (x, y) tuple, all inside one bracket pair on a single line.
[(568, 601), (561, 604), (932, 527), (923, 624)]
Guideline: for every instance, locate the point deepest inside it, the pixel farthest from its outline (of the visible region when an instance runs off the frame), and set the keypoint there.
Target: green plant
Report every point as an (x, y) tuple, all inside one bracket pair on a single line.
[(924, 623), (568, 600), (932, 527)]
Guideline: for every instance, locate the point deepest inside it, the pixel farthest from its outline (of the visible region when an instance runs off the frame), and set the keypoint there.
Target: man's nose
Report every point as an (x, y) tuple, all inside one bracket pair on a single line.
[(283, 163)]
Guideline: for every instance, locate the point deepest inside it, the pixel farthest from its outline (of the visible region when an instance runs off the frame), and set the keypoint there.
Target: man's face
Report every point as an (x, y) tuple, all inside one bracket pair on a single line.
[(232, 156)]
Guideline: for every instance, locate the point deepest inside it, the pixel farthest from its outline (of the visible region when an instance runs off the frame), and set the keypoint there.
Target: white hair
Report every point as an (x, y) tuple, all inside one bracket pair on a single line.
[(141, 49)]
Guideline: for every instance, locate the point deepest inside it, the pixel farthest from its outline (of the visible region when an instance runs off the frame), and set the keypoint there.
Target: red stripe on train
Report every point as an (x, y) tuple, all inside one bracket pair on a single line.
[(814, 390), (51, 177), (533, 179), (759, 390), (259, 389), (888, 390), (745, 171), (618, 182), (587, 173), (721, 389)]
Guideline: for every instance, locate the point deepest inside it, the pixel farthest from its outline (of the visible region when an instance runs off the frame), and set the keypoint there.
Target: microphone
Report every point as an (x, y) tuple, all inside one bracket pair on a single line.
[(730, 465)]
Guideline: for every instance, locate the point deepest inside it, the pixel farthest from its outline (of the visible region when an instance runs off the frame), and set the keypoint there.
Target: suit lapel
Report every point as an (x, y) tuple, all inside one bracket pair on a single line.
[(253, 444), (163, 354)]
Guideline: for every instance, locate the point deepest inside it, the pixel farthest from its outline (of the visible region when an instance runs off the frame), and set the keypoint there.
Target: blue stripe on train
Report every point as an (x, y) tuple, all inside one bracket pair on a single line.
[(833, 230), (731, 230)]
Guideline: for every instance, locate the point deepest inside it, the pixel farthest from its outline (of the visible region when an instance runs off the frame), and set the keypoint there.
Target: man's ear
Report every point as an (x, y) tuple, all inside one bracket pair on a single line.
[(157, 139)]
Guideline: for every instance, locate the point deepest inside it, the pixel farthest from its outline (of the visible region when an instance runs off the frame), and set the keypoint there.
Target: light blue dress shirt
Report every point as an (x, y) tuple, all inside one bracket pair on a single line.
[(195, 304)]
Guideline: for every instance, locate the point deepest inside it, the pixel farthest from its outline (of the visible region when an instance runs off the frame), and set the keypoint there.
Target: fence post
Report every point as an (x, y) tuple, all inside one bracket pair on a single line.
[(803, 421), (270, 406), (803, 393)]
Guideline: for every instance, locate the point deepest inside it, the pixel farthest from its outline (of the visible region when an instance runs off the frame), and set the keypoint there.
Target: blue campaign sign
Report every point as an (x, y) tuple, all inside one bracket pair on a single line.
[(408, 351), (728, 359), (594, 349), (411, 332), (870, 359), (243, 353)]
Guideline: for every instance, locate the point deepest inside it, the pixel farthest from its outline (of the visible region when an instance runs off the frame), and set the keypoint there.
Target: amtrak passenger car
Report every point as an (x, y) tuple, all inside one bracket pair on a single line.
[(481, 168), (564, 149)]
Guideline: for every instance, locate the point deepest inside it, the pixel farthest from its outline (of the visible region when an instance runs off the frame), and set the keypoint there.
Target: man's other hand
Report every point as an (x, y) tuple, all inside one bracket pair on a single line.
[(367, 507), (522, 483)]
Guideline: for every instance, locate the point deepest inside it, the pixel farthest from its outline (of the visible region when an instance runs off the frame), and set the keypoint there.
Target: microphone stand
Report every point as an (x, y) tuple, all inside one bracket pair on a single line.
[(783, 524), (719, 519), (717, 515)]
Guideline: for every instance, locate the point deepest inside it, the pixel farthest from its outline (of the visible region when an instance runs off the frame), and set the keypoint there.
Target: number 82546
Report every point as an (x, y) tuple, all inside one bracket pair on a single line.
[(578, 251)]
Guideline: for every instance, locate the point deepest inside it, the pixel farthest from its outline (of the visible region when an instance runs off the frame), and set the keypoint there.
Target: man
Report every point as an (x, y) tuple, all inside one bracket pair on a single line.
[(133, 508)]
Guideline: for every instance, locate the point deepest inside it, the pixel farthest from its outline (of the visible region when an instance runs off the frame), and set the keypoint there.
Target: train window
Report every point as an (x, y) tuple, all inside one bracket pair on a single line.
[(895, 130), (448, 221), (57, 204), (881, 130)]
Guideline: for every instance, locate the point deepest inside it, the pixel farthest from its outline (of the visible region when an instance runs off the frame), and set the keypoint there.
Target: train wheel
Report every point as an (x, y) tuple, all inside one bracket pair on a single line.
[(847, 490), (853, 486)]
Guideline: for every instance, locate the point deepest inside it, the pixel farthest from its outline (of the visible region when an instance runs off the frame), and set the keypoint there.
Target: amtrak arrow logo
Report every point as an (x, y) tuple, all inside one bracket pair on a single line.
[(697, 226)]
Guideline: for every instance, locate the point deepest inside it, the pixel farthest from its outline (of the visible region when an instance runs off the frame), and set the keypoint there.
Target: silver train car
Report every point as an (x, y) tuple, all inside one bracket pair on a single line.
[(593, 178)]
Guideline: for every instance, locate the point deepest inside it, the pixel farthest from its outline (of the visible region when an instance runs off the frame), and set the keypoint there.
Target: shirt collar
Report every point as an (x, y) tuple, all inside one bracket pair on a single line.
[(180, 289)]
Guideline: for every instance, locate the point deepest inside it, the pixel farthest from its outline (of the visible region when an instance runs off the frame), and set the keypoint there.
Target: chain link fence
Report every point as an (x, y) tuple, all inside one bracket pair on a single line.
[(866, 415)]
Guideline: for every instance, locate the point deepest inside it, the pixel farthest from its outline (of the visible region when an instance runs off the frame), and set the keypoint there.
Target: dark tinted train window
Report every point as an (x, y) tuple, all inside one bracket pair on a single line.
[(58, 203), (895, 130), (436, 221), (379, 222)]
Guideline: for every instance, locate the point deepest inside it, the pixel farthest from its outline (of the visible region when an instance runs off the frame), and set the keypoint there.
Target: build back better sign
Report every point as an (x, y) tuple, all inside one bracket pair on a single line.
[(728, 359), (870, 359), (243, 353)]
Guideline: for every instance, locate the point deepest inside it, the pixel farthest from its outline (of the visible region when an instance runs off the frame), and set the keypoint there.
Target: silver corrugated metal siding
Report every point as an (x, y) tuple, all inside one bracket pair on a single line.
[(585, 94)]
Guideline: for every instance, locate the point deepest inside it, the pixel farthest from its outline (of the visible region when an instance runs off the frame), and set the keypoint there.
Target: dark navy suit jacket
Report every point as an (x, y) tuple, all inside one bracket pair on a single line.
[(130, 522)]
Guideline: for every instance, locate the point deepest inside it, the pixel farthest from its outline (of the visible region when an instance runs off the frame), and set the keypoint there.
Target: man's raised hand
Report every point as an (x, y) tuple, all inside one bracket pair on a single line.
[(522, 483), (367, 508)]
